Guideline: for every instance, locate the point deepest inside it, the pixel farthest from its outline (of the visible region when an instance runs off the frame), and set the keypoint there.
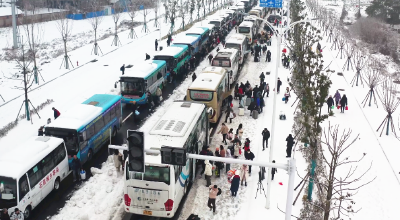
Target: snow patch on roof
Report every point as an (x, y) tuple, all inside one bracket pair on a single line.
[(207, 81)]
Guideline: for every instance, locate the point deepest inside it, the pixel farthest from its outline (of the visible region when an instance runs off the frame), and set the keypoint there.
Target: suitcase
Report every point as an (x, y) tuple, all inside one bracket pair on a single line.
[(255, 114), (241, 111), (248, 101)]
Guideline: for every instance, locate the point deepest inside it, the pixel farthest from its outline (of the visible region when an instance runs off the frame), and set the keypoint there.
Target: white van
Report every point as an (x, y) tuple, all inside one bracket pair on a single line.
[(229, 59), (248, 29), (30, 172), (240, 43)]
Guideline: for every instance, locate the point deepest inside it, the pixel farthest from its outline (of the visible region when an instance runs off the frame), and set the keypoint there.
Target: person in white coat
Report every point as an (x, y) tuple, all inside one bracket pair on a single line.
[(208, 172), (117, 159), (17, 215), (245, 175), (236, 150)]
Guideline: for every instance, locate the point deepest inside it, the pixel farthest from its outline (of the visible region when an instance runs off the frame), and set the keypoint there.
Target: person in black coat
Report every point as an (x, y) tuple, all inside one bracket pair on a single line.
[(122, 69), (252, 106), (76, 168), (255, 90), (279, 85), (194, 77), (268, 57), (147, 57), (56, 113), (248, 155), (228, 112), (289, 145), (169, 40), (266, 134), (156, 44), (273, 171), (4, 214), (262, 77), (343, 103), (230, 99), (330, 103)]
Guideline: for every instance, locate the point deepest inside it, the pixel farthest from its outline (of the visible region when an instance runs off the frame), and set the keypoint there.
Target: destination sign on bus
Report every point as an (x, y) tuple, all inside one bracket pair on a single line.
[(201, 95)]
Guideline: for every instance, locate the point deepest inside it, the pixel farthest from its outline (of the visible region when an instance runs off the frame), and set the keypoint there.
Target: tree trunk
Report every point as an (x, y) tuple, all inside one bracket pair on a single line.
[(330, 188), (66, 54), (28, 117)]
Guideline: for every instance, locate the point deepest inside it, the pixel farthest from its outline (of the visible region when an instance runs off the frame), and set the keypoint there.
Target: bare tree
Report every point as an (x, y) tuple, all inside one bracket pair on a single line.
[(339, 190), (24, 60), (182, 13), (132, 9), (198, 8), (156, 4), (64, 26), (191, 10), (34, 33), (117, 8), (172, 6), (387, 93), (95, 22), (145, 10), (350, 49), (360, 60), (372, 77)]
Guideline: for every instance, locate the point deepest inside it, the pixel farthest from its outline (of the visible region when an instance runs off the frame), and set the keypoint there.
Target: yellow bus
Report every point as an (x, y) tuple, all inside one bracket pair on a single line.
[(211, 87)]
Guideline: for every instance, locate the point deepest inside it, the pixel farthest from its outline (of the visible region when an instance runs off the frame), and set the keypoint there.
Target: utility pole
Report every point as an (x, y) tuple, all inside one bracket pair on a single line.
[(14, 24)]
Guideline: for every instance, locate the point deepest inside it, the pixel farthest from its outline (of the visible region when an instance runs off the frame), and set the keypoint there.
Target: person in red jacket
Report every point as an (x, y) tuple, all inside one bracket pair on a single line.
[(56, 113), (246, 145)]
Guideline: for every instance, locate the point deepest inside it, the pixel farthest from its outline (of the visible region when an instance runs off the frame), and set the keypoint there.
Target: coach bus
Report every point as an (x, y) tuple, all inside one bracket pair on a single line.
[(86, 127), (175, 56), (240, 43), (201, 32), (248, 29), (211, 87), (193, 42), (159, 190), (30, 172), (229, 60), (141, 78)]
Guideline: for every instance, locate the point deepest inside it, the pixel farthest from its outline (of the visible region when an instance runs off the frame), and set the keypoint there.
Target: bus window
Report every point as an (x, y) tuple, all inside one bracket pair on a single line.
[(233, 46), (118, 109), (152, 173), (69, 136), (23, 187), (98, 125), (201, 95), (245, 30), (90, 132), (82, 140), (178, 170), (216, 23), (8, 190), (221, 63), (107, 116)]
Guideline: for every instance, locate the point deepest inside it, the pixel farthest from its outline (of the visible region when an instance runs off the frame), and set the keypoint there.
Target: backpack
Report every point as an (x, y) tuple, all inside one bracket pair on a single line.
[(219, 191)]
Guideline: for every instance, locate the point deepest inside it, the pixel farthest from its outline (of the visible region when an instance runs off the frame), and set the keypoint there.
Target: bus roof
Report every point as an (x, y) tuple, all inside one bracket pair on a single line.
[(19, 160), (214, 69), (208, 26), (195, 31), (80, 115), (172, 128), (144, 69), (207, 81), (236, 38), (186, 40), (246, 24), (171, 51), (226, 53)]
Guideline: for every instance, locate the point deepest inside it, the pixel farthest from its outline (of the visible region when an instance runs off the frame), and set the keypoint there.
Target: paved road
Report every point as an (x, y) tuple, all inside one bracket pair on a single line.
[(56, 200)]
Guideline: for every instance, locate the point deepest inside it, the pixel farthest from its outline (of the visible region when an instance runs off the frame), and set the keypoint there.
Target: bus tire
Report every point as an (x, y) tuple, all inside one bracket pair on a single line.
[(57, 184), (90, 155), (27, 212)]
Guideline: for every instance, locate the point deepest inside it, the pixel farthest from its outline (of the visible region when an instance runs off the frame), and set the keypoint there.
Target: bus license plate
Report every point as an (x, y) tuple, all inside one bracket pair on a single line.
[(145, 212)]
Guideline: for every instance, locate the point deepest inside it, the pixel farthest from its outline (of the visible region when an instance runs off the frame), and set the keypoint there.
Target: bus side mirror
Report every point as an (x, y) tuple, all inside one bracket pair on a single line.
[(210, 111)]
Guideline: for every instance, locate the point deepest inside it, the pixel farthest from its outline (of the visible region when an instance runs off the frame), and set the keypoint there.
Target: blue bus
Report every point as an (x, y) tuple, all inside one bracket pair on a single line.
[(175, 56), (86, 127), (202, 32), (193, 42), (141, 78)]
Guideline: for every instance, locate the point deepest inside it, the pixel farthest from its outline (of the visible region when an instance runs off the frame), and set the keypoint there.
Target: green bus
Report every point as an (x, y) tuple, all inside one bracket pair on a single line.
[(175, 56)]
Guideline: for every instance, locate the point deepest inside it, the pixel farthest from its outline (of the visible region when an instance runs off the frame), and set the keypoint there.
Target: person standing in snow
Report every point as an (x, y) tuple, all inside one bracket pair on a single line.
[(117, 159), (4, 215), (287, 95), (279, 85), (194, 77), (262, 77), (239, 131), (169, 40), (268, 57), (210, 57), (227, 155), (228, 112), (56, 113), (156, 44), (159, 95), (235, 183), (273, 171), (337, 97), (224, 131), (212, 196), (244, 176), (248, 155), (208, 172), (219, 165), (236, 150), (147, 57), (76, 168), (266, 90), (330, 103), (203, 165), (266, 134), (343, 103), (17, 215), (122, 69), (289, 145)]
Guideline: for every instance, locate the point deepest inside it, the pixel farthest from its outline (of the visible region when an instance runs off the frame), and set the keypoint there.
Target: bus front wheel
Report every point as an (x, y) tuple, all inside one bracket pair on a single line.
[(57, 184), (27, 212)]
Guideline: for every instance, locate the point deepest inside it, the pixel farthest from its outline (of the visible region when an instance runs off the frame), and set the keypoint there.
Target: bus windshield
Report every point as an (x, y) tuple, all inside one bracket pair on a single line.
[(132, 86), (8, 192), (197, 95), (233, 46), (216, 23), (245, 30), (153, 173), (69, 136)]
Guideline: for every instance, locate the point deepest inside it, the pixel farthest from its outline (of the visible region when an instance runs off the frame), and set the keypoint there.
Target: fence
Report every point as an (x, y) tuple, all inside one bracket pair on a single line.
[(91, 14), (6, 21)]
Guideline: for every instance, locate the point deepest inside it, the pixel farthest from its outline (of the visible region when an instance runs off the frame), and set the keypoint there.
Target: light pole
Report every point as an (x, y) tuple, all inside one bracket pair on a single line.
[(14, 24)]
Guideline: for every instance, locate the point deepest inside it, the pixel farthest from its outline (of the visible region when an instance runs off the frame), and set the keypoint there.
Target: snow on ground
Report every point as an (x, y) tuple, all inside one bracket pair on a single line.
[(110, 194)]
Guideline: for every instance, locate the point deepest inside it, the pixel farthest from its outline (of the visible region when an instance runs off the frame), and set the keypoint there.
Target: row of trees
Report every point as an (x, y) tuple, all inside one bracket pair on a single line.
[(325, 149)]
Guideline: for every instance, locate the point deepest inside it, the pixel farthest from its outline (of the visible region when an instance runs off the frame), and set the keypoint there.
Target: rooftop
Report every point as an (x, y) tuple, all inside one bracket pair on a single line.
[(169, 51), (186, 39), (207, 81), (143, 69), (77, 116), (195, 30)]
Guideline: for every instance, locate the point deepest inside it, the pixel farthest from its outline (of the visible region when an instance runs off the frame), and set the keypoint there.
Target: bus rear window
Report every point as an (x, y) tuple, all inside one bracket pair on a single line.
[(8, 192), (233, 46), (201, 95), (244, 30), (216, 23), (154, 174), (221, 63)]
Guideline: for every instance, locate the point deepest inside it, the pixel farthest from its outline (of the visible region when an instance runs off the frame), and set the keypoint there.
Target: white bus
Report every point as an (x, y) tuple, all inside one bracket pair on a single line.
[(228, 59), (240, 43), (160, 189), (255, 13), (217, 21), (28, 174), (248, 29)]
